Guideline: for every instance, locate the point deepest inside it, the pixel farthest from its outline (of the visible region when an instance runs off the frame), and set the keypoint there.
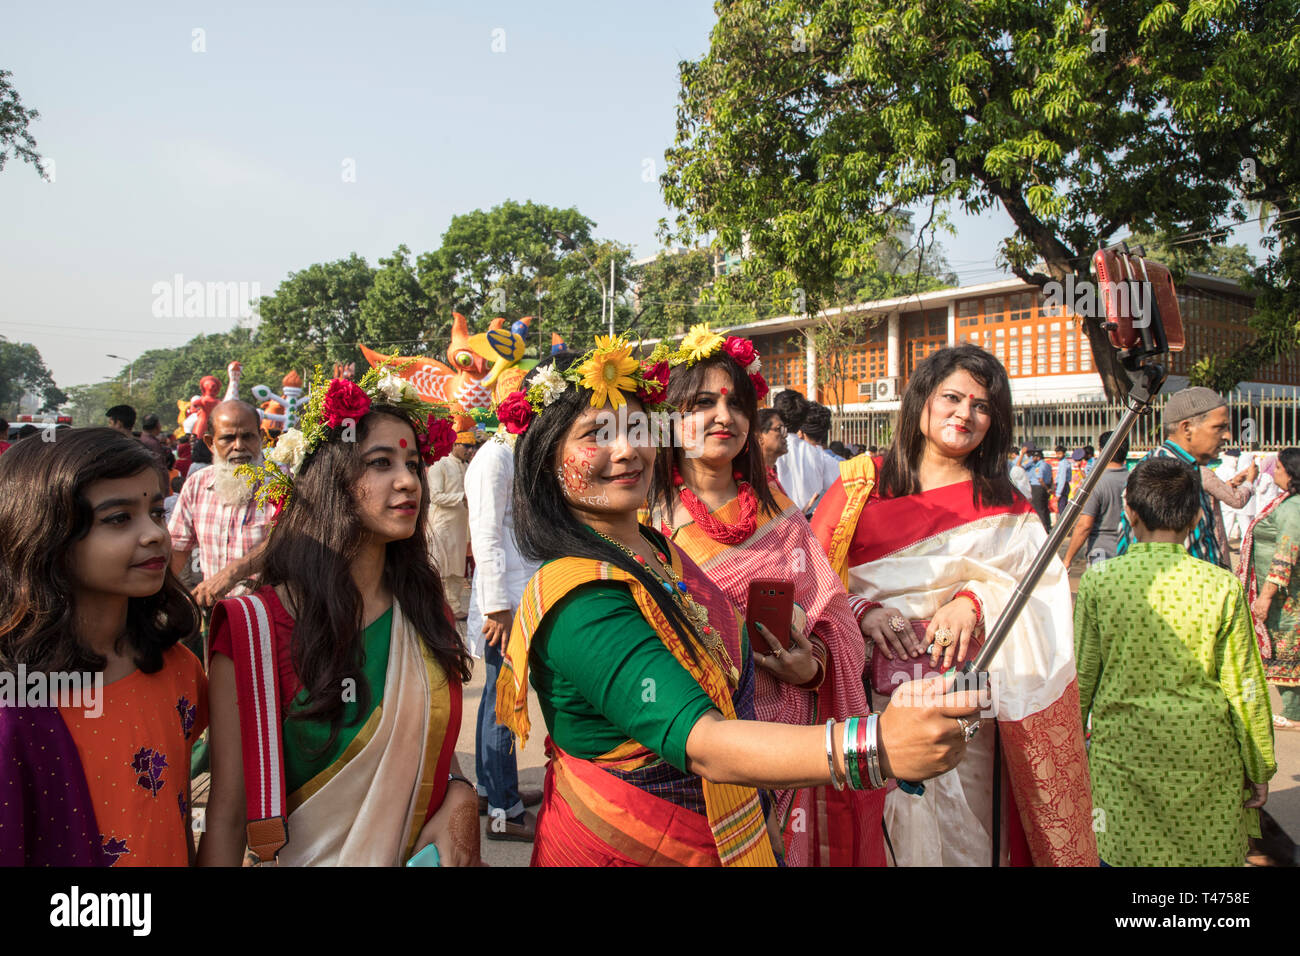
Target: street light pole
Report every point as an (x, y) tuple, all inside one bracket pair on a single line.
[(130, 374)]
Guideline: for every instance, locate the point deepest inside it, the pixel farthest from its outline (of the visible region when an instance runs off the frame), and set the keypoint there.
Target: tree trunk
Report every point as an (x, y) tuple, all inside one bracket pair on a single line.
[(1114, 377)]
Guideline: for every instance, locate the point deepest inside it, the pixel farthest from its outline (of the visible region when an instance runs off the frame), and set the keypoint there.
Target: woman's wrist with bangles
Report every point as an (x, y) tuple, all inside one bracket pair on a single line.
[(859, 751), (861, 607), (819, 654), (975, 601)]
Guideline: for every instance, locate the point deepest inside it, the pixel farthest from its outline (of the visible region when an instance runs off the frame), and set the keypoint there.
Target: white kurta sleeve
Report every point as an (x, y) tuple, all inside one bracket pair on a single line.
[(488, 486)]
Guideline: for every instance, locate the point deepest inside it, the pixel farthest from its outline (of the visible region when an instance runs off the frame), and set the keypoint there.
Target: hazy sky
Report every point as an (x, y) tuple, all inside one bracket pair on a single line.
[(230, 165)]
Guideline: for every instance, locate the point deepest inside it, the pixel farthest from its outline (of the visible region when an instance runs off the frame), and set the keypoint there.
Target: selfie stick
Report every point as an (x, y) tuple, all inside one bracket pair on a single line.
[(1151, 378)]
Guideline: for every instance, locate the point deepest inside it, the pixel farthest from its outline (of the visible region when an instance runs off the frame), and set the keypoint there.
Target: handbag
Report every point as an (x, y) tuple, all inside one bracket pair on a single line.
[(886, 675)]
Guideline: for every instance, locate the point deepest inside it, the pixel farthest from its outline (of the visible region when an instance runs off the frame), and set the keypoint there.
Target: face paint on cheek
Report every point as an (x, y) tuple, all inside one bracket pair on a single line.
[(574, 475)]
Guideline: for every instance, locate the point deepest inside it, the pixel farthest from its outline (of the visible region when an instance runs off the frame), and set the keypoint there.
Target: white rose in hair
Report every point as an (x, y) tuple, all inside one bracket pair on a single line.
[(754, 367), (395, 389), (289, 451)]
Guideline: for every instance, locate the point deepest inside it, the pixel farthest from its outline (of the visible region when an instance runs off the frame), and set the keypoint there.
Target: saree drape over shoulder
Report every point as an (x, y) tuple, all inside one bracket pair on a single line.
[(629, 806), (820, 826), (914, 554), (366, 804)]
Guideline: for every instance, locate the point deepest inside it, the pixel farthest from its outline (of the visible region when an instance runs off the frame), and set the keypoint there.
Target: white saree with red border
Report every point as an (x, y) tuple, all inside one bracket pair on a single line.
[(914, 554)]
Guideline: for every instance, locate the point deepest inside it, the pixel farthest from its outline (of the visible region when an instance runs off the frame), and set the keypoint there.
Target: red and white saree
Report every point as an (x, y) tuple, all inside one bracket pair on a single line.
[(914, 554)]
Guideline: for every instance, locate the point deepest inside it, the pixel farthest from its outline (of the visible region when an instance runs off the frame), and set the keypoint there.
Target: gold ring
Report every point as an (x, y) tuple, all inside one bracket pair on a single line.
[(897, 624), (943, 637), (777, 653)]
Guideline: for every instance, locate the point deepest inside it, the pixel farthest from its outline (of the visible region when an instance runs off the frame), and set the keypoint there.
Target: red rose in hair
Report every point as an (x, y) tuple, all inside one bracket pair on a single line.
[(656, 383), (742, 350), (515, 413), (343, 400), (438, 438), (760, 385)]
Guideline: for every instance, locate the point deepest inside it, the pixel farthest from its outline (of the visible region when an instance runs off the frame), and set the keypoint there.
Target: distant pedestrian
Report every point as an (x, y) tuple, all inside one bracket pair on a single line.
[(1098, 524), (121, 418)]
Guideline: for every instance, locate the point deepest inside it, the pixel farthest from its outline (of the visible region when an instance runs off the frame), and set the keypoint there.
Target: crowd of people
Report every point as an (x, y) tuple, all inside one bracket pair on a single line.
[(342, 579)]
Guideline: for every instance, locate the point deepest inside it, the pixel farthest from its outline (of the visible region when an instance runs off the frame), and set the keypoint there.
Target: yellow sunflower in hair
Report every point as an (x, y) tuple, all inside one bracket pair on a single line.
[(608, 373), (699, 343)]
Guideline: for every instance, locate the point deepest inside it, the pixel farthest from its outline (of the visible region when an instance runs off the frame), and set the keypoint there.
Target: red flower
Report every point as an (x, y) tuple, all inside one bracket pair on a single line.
[(760, 385), (655, 389), (344, 400), (515, 413), (742, 350), (438, 438)]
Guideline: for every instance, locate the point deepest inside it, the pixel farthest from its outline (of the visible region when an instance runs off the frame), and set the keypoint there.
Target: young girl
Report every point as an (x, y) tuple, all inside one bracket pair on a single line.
[(349, 639), (99, 777)]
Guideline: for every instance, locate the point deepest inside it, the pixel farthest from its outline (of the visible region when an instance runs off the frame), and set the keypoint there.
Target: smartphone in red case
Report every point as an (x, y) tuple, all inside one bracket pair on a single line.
[(770, 603)]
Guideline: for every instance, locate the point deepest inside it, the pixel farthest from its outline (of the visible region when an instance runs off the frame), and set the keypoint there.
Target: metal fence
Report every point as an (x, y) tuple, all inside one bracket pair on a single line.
[(1267, 421)]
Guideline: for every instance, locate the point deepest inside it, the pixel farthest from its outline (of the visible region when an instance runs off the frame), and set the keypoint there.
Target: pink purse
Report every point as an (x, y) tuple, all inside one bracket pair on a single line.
[(886, 675)]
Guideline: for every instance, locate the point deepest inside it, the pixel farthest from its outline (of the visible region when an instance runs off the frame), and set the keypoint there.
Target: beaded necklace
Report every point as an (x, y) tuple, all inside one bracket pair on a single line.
[(695, 613), (721, 531)]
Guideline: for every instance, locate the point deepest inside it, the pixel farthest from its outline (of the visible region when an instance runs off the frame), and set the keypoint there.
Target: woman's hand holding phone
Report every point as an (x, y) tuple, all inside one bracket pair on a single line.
[(795, 665)]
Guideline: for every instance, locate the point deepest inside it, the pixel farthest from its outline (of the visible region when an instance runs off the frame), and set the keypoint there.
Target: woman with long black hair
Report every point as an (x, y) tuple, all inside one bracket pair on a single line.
[(643, 673), (934, 544), (338, 748)]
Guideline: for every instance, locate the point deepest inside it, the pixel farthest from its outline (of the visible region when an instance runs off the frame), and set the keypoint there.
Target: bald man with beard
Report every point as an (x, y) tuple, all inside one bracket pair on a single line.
[(216, 511)]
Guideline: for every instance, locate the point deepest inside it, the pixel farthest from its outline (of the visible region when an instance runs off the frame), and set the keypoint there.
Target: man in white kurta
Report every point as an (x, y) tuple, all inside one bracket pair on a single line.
[(500, 576), (448, 524)]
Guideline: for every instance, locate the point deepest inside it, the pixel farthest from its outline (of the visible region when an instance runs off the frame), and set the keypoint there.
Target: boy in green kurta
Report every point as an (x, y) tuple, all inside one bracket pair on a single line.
[(1182, 738)]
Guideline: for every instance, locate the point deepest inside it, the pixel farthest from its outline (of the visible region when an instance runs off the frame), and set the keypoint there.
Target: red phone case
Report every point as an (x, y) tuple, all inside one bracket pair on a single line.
[(772, 604), (1118, 273)]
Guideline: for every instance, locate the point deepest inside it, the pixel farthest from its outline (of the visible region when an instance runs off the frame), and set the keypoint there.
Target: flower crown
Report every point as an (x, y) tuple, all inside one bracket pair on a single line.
[(608, 371), (701, 343), (334, 408)]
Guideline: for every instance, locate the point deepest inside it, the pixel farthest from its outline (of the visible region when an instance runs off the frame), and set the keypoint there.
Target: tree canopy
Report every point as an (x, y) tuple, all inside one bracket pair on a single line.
[(16, 139), (809, 125), (23, 370)]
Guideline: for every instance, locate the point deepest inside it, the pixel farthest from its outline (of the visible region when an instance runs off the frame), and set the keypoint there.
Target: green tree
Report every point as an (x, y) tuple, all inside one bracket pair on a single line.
[(807, 126), (513, 260), (15, 139), (315, 313), (396, 313), (23, 370), (1216, 259)]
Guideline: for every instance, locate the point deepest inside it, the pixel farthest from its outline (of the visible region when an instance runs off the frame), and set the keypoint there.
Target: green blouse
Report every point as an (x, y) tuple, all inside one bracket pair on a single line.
[(303, 739), (603, 676), (1171, 674)]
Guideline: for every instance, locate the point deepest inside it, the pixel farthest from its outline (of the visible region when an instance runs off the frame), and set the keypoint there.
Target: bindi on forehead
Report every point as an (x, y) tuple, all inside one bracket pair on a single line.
[(724, 390), (401, 443)]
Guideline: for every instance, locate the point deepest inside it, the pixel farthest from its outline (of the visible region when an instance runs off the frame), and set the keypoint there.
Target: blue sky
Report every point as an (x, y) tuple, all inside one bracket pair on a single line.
[(228, 164)]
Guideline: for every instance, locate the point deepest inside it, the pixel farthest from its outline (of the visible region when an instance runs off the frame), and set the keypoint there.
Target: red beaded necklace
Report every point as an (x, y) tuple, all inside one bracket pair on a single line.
[(721, 531)]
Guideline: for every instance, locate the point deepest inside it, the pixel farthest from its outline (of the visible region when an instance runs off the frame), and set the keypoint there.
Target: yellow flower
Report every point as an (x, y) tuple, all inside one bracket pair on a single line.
[(608, 373), (701, 342)]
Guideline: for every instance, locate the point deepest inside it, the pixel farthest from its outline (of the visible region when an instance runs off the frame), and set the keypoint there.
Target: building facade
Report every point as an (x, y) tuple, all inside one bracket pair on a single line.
[(1039, 340)]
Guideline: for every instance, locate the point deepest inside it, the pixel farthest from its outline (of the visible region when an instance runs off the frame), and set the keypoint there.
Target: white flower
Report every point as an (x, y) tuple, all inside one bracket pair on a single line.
[(289, 451), (551, 383), (754, 367), (396, 390)]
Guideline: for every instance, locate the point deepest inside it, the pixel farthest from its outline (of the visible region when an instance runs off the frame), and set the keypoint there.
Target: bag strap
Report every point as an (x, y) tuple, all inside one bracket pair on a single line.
[(258, 688)]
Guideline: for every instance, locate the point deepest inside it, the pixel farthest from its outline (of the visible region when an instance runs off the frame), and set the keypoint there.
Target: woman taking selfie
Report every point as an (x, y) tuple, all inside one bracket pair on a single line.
[(643, 674), (940, 537), (347, 666), (711, 494)]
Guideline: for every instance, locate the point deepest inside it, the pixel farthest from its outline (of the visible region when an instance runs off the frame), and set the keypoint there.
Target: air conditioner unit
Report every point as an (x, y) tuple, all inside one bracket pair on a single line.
[(886, 389)]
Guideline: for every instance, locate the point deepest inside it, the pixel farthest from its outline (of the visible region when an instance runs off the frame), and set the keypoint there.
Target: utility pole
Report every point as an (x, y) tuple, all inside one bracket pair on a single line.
[(130, 375)]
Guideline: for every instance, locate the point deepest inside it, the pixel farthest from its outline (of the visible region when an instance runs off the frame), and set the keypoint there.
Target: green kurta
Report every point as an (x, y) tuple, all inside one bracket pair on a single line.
[(1169, 668), (1277, 543)]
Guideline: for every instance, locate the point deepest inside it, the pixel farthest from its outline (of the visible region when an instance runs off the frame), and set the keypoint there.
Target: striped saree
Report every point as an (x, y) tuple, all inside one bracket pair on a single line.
[(820, 826), (605, 812)]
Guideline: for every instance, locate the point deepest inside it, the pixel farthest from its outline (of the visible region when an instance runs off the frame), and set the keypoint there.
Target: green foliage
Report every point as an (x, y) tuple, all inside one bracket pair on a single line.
[(22, 370), (15, 139), (1217, 259), (315, 314), (809, 125), (396, 312)]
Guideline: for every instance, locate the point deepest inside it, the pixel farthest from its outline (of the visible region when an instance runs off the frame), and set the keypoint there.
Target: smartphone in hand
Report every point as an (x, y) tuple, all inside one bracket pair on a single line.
[(770, 603)]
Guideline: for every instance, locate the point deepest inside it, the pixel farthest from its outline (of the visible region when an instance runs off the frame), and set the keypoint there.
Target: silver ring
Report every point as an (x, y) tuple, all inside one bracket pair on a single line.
[(968, 729)]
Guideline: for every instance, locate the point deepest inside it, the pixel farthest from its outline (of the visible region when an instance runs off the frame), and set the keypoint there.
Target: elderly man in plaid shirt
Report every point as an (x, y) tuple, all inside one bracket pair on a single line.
[(216, 511)]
